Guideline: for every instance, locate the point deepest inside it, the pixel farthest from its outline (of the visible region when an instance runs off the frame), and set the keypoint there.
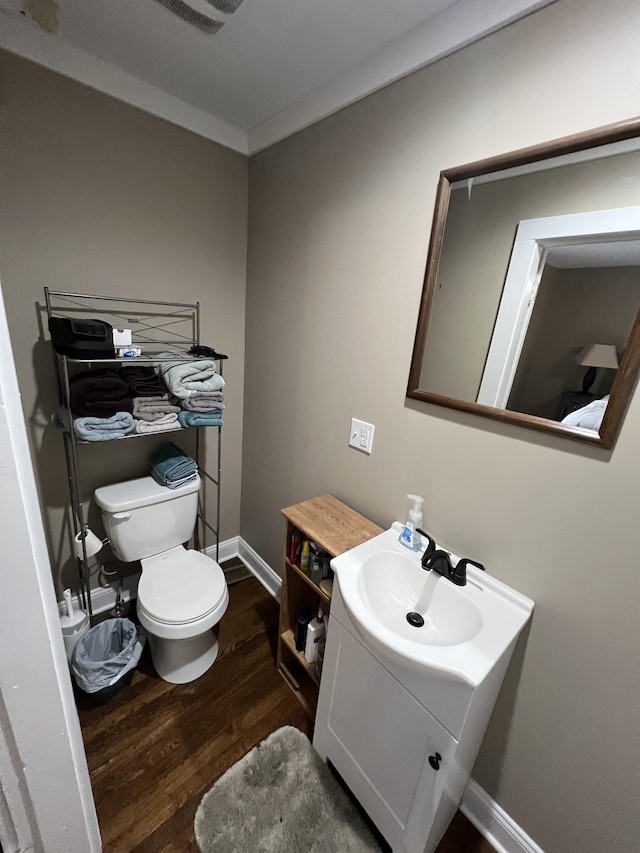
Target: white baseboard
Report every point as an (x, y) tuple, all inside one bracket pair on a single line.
[(104, 597), (269, 579), (494, 824), (227, 550)]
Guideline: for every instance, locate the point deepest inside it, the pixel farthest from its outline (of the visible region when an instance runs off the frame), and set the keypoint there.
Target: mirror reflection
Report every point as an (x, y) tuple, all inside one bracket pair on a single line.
[(533, 289)]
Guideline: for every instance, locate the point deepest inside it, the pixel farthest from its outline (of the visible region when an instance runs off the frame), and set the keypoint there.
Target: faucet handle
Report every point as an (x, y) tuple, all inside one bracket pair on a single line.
[(459, 575), (467, 562), (431, 545)]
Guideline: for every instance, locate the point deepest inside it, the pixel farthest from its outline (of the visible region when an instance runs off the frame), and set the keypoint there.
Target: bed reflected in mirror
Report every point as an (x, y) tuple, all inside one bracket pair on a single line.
[(533, 267)]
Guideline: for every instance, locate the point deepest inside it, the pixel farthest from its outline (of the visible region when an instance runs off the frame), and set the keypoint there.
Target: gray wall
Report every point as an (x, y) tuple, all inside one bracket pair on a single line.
[(99, 197), (338, 232)]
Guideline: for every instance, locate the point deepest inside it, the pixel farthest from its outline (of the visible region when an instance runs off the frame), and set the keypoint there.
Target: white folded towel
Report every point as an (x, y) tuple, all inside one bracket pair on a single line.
[(185, 376), (168, 422)]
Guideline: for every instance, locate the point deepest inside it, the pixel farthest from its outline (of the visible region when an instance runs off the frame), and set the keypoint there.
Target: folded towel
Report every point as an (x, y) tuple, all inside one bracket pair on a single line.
[(142, 381), (153, 408), (195, 419), (208, 395), (104, 429), (169, 463), (173, 484), (185, 376), (98, 394), (162, 425), (202, 402)]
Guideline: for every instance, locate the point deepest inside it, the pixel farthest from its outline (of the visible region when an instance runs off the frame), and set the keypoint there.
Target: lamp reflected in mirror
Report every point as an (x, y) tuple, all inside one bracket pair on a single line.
[(586, 408), (532, 255), (593, 357)]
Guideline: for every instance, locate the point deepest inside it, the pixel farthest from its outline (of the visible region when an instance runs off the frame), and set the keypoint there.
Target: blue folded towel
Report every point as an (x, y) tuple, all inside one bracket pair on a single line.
[(195, 419), (172, 484), (104, 429), (170, 464)]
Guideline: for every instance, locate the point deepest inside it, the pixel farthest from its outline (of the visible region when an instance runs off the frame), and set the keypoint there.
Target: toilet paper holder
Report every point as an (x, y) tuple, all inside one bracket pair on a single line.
[(92, 543)]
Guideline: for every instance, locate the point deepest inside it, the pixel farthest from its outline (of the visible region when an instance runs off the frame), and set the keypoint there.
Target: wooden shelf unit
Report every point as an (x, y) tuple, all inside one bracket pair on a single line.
[(335, 528)]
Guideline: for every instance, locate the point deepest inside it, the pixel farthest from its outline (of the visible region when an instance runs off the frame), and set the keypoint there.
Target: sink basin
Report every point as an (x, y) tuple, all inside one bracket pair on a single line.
[(460, 631), (391, 587)]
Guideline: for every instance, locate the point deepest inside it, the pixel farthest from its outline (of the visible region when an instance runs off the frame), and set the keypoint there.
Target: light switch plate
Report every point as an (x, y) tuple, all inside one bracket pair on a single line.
[(361, 435)]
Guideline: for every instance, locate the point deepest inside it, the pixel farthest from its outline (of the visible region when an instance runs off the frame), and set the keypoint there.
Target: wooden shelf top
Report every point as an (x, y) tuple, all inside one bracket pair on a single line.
[(334, 526)]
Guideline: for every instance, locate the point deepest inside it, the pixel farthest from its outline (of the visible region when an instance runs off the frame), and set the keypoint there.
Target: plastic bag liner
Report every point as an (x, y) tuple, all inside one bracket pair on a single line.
[(106, 653)]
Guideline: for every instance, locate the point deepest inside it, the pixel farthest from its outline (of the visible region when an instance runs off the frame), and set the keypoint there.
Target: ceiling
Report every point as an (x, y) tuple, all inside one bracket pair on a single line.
[(274, 67)]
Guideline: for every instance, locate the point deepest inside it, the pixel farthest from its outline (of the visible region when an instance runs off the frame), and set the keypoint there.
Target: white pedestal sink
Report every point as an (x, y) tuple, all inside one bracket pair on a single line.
[(403, 709)]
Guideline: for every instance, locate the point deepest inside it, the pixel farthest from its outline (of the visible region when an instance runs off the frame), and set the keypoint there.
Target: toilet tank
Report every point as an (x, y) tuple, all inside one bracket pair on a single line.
[(143, 519)]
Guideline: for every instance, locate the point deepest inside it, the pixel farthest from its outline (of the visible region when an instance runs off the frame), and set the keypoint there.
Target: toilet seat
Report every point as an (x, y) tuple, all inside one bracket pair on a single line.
[(180, 586)]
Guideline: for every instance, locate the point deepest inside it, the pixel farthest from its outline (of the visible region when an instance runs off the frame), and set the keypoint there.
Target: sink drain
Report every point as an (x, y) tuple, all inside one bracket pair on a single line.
[(415, 619)]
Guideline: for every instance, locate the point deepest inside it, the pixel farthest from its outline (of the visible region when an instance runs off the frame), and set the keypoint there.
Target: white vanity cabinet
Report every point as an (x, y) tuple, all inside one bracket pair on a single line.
[(379, 739), (404, 766)]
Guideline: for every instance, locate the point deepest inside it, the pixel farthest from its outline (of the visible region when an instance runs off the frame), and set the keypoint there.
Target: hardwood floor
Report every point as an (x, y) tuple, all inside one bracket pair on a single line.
[(157, 748)]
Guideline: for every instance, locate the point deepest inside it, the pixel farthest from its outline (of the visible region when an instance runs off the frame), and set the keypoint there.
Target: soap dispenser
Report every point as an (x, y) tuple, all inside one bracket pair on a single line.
[(410, 537)]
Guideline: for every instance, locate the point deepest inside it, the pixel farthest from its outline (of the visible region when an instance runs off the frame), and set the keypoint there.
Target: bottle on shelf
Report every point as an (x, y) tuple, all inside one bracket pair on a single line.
[(304, 557), (294, 547), (315, 564), (315, 631)]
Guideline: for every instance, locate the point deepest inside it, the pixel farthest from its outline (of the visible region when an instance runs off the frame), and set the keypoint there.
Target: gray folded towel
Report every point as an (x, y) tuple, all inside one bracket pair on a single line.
[(153, 408), (203, 402)]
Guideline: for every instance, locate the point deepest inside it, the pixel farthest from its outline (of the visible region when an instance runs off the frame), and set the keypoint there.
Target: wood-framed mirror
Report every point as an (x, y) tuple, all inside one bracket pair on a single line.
[(530, 309)]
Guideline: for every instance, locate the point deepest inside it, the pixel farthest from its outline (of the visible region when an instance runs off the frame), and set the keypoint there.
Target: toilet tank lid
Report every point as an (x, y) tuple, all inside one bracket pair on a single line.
[(144, 491)]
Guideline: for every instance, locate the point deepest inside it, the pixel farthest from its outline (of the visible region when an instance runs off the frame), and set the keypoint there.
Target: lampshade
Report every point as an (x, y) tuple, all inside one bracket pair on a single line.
[(598, 355)]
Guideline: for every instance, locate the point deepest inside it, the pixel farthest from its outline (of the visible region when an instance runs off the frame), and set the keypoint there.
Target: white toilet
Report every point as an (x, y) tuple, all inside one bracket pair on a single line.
[(182, 593)]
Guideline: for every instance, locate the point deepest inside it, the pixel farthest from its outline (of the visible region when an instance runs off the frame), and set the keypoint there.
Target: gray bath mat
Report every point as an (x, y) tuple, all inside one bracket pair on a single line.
[(280, 798)]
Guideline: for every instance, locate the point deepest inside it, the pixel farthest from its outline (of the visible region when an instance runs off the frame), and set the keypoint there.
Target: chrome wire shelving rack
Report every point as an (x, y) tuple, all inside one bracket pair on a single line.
[(163, 330)]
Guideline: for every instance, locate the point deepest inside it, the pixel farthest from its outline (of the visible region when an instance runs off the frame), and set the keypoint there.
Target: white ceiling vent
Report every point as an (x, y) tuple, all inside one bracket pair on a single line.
[(196, 18), (227, 7), (193, 16)]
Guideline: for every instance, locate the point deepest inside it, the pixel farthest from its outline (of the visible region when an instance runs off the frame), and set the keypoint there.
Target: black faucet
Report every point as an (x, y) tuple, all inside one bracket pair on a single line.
[(440, 561)]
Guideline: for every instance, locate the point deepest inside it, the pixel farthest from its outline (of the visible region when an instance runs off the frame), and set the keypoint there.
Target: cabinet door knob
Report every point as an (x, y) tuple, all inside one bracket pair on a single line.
[(434, 761)]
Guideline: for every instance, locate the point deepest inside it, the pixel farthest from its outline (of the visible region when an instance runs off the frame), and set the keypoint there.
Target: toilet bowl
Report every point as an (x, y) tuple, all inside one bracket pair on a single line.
[(182, 594)]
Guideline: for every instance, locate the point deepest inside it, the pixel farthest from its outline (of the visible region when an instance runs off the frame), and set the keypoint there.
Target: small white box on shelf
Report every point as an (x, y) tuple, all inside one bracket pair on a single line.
[(122, 337)]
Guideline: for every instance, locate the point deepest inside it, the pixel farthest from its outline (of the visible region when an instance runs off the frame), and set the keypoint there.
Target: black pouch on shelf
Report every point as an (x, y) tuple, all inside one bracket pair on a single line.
[(304, 617), (82, 338)]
